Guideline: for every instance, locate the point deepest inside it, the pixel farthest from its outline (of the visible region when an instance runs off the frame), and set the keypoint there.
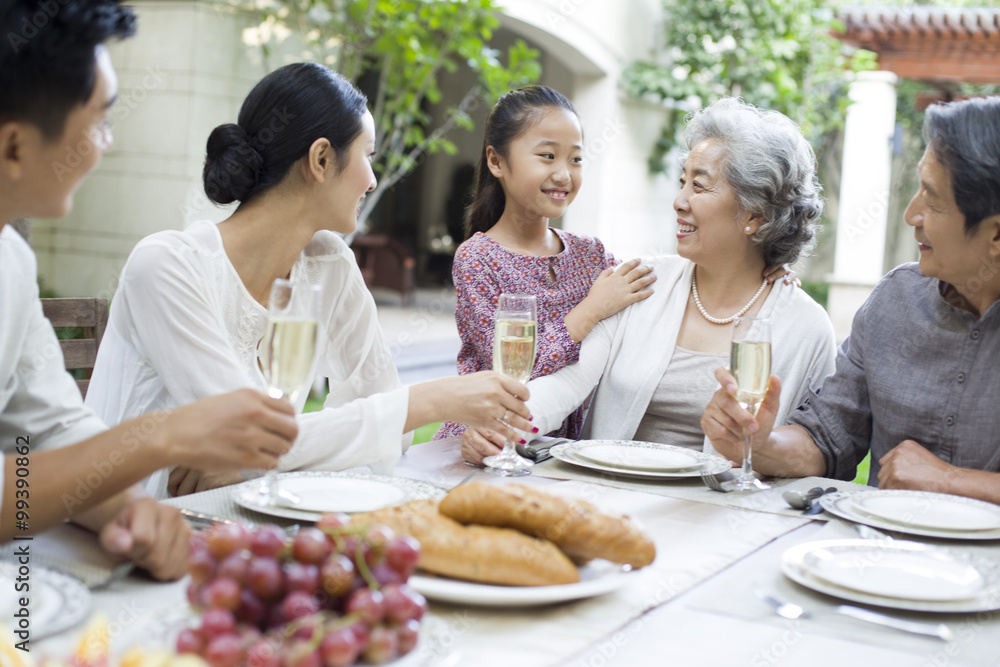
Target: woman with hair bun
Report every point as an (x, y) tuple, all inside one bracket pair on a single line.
[(749, 199), (191, 306)]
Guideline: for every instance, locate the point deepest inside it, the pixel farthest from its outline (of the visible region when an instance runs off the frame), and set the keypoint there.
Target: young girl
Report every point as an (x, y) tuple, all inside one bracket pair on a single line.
[(529, 172), (191, 307)]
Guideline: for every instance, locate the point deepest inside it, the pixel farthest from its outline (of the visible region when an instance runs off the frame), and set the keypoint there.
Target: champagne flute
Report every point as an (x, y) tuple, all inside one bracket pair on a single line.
[(513, 356), (288, 352), (750, 364)]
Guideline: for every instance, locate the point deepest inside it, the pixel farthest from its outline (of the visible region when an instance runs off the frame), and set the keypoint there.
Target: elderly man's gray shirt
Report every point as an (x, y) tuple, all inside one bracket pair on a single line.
[(914, 367)]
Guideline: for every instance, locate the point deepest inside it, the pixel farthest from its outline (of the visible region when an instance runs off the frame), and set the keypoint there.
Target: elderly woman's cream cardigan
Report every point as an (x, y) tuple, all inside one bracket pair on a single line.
[(626, 355)]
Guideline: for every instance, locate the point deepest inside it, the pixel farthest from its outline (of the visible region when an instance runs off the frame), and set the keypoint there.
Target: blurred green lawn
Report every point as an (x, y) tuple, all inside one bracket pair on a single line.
[(425, 433), (422, 434)]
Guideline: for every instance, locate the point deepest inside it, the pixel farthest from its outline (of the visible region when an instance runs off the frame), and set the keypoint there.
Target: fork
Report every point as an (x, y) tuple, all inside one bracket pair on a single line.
[(712, 480), (793, 611), (121, 571)]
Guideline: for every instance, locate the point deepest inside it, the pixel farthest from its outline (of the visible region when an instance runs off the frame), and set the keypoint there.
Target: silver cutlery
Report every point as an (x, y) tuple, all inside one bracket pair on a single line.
[(793, 611), (203, 520), (121, 571), (714, 480), (806, 501), (539, 451)]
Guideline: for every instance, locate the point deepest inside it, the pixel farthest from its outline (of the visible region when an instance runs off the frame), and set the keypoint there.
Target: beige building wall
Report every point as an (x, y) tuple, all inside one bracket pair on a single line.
[(186, 71), (189, 68)]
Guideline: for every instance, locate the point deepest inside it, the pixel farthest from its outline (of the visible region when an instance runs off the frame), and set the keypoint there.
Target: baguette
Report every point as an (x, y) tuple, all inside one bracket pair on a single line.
[(575, 526), (477, 553)]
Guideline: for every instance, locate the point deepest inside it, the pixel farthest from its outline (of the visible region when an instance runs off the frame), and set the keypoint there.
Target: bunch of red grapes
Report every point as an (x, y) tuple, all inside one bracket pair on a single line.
[(329, 597)]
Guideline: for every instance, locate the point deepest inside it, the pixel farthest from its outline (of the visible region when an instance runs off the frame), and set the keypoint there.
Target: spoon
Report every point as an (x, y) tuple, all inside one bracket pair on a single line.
[(804, 501)]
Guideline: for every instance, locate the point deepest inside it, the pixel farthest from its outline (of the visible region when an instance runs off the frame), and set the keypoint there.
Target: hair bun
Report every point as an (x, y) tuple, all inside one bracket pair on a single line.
[(233, 166)]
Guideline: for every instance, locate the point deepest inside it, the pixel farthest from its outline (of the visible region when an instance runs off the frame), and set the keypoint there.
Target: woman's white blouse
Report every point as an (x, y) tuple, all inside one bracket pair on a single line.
[(183, 327)]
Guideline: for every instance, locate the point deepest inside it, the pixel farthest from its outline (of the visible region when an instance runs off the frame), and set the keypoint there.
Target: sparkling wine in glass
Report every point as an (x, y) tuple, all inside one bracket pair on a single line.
[(287, 354), (514, 356), (750, 365)]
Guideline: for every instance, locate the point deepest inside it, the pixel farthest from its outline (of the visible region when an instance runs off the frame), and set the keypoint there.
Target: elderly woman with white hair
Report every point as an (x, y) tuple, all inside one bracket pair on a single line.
[(748, 200)]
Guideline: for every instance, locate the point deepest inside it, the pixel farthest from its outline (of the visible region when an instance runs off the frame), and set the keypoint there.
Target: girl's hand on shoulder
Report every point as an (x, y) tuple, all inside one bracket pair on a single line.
[(615, 289), (771, 274)]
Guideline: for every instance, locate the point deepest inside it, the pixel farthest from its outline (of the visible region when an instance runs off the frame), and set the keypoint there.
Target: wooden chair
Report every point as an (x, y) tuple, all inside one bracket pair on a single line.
[(385, 262), (89, 314)]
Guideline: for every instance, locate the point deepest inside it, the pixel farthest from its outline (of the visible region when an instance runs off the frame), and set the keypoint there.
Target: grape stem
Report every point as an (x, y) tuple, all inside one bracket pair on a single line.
[(359, 561)]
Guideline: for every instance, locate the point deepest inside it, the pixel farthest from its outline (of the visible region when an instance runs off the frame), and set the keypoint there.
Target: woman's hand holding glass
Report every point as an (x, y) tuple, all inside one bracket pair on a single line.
[(288, 352), (514, 340)]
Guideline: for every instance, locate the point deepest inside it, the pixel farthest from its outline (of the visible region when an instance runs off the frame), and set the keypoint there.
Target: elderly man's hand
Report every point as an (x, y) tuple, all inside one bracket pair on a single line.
[(909, 465)]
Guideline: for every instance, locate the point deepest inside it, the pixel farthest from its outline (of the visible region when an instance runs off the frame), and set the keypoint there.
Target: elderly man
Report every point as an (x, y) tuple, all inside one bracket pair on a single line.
[(58, 85), (917, 381)]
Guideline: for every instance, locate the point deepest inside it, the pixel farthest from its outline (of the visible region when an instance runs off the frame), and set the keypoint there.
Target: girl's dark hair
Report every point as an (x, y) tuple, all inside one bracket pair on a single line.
[(283, 115), (512, 116)]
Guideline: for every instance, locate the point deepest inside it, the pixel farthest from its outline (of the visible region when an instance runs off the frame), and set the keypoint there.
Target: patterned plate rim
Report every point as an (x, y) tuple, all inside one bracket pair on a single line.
[(857, 553), (835, 504), (988, 600), (74, 600), (560, 452), (700, 457), (931, 497), (415, 490)]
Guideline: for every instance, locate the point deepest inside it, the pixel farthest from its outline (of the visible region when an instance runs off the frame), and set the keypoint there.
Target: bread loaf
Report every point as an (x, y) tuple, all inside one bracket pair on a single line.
[(575, 526), (477, 553)]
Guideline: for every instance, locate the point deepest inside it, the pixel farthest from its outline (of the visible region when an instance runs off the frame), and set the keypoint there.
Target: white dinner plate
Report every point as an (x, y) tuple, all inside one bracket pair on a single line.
[(936, 511), (328, 491), (596, 578), (636, 455), (57, 601), (900, 569), (800, 564), (845, 505), (567, 453)]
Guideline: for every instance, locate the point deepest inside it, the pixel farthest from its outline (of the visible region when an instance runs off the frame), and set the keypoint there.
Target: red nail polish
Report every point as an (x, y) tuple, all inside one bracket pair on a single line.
[(534, 430), (531, 418), (523, 441)]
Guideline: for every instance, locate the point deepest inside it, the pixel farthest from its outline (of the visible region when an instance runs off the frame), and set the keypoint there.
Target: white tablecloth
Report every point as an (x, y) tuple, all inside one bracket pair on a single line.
[(673, 612)]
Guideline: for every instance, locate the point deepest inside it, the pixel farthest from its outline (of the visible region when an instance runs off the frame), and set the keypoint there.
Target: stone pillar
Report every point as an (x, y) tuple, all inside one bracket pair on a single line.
[(864, 196)]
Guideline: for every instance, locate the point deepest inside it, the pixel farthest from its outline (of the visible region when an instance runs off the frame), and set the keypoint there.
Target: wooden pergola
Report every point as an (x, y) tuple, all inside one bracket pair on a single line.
[(940, 45)]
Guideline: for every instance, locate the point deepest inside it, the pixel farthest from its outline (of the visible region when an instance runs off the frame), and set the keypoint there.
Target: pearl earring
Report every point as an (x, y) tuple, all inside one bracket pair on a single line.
[(747, 229)]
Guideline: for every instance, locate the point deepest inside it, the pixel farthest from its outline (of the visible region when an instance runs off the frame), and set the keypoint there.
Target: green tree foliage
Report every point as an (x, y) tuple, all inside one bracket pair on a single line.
[(777, 54), (404, 46)]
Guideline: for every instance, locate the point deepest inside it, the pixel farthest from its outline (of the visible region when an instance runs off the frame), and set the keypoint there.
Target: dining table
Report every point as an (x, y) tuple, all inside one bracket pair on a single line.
[(699, 603)]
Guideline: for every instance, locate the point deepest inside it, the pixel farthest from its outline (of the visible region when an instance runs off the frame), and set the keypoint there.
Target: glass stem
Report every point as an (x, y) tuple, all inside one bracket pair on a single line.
[(747, 473), (508, 448)]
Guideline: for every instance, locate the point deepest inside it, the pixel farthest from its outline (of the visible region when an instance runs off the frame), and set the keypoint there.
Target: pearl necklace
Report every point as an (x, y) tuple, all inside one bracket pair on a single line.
[(715, 320)]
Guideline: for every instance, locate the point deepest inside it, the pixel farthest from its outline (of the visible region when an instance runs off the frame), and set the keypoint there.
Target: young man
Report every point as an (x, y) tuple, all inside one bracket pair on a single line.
[(916, 382), (57, 87)]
